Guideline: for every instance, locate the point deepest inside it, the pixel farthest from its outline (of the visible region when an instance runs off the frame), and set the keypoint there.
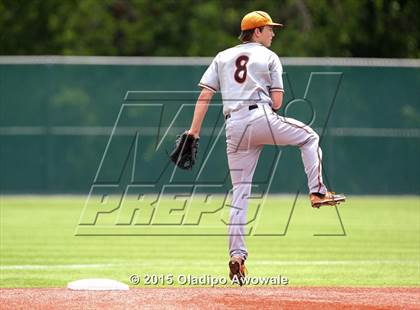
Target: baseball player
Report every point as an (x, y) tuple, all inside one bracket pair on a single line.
[(249, 77)]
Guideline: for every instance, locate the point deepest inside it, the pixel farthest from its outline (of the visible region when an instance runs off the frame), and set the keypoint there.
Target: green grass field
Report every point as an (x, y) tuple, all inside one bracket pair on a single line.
[(381, 246)]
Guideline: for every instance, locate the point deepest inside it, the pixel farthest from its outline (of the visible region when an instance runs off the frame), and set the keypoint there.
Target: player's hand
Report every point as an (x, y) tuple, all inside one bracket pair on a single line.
[(185, 153), (194, 134)]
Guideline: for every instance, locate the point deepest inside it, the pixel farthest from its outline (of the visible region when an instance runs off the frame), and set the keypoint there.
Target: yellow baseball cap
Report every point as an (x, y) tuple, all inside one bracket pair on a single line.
[(257, 19)]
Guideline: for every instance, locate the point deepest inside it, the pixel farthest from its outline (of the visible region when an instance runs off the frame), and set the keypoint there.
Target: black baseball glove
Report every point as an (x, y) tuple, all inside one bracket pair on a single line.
[(185, 152)]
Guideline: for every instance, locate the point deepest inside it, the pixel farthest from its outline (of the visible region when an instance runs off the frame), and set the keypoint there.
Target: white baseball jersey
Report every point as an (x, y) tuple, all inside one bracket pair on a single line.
[(245, 74)]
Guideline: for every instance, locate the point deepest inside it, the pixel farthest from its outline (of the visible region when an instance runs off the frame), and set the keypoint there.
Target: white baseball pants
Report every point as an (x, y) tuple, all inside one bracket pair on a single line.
[(247, 131)]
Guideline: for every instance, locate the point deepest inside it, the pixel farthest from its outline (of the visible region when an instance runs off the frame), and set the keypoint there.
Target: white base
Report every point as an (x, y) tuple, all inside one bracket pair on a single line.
[(97, 285)]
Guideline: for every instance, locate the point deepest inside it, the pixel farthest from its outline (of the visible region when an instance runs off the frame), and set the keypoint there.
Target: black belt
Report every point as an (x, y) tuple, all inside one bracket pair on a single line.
[(251, 107)]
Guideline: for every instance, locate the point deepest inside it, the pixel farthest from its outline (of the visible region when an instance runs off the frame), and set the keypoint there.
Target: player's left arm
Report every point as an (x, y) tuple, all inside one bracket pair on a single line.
[(200, 111)]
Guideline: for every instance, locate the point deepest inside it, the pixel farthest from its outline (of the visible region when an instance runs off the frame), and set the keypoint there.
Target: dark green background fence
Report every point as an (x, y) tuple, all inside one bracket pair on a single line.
[(56, 120)]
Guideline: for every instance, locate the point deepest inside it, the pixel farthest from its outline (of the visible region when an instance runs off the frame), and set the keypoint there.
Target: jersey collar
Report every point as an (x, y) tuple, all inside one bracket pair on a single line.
[(251, 42)]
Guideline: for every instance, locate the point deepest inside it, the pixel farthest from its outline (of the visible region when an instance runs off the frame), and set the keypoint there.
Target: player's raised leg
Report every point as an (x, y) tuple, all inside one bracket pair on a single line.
[(278, 130)]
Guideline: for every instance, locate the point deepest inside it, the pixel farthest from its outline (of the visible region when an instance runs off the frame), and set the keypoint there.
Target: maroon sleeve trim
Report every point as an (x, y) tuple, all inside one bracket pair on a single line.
[(208, 87), (276, 89)]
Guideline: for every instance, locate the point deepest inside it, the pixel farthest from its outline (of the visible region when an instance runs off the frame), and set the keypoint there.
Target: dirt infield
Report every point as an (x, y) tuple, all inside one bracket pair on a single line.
[(213, 298)]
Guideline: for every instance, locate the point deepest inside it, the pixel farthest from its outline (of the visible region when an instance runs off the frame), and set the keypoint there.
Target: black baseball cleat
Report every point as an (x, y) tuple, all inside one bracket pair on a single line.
[(237, 270), (328, 199)]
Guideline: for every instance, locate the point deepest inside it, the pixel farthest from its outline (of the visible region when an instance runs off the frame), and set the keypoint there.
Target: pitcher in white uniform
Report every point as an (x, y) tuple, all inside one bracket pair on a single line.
[(249, 77)]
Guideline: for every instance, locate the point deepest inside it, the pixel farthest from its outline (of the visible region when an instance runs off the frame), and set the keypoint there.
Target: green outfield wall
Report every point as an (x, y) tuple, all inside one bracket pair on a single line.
[(67, 123)]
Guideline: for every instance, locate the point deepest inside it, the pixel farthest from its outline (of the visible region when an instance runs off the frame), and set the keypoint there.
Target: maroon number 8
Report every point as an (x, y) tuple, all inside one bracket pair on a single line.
[(241, 63)]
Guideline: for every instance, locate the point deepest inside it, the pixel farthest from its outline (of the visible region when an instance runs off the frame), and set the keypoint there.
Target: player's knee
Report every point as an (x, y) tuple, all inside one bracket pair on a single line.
[(313, 138)]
